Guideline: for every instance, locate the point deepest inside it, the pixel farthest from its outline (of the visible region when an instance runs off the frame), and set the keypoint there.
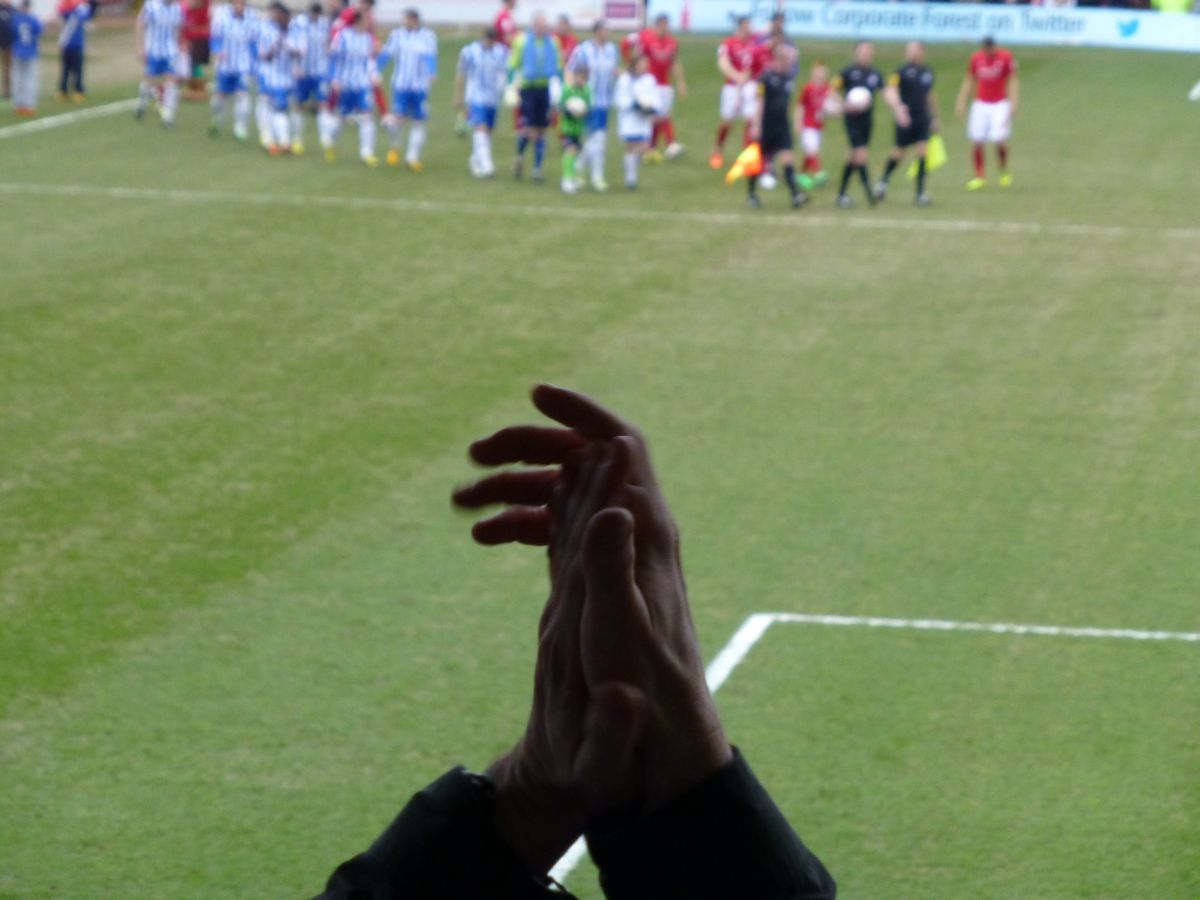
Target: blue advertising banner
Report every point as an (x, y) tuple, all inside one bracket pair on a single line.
[(958, 22)]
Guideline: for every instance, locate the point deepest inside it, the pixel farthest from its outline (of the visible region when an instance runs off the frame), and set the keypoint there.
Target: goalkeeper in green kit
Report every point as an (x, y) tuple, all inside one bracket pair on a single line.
[(574, 107)]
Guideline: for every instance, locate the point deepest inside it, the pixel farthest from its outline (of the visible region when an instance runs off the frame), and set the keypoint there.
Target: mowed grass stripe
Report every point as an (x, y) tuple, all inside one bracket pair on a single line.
[(592, 213)]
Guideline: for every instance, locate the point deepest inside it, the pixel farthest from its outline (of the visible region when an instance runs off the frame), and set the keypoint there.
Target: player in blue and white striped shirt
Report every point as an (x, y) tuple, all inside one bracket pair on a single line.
[(413, 51), (478, 87), (352, 75), (279, 55), (232, 39), (311, 32), (599, 56), (158, 27)]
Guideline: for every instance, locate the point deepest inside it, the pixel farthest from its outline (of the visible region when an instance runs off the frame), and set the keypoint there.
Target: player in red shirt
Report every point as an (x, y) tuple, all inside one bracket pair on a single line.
[(814, 98), (736, 59), (196, 34), (505, 24), (661, 50), (567, 41), (992, 72)]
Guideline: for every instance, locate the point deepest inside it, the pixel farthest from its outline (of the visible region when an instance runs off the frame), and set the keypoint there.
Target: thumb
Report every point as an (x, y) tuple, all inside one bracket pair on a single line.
[(606, 769), (615, 625)]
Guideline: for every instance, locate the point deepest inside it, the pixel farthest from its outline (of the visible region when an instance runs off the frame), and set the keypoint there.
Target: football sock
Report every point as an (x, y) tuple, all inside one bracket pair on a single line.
[(170, 101), (599, 142), (722, 133), (920, 176), (478, 154), (668, 130), (789, 175), (241, 112), (631, 169), (262, 118), (978, 162), (866, 180), (847, 171), (366, 135), (328, 127), (416, 141), (145, 94), (892, 163), (1002, 154), (568, 166), (282, 130), (522, 143), (486, 143), (656, 133), (752, 185), (217, 104), (539, 152)]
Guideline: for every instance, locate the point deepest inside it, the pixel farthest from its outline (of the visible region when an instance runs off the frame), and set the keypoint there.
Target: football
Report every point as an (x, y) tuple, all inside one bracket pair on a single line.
[(646, 96), (576, 107), (858, 99)]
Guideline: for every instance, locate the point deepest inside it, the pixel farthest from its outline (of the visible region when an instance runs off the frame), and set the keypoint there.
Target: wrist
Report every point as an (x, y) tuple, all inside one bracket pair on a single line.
[(534, 819)]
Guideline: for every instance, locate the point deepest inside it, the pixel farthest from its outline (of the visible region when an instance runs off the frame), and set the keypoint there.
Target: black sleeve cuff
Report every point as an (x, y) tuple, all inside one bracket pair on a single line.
[(725, 838), (442, 846)]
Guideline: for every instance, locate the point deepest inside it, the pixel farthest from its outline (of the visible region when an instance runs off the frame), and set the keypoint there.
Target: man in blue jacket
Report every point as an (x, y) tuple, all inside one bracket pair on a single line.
[(533, 63)]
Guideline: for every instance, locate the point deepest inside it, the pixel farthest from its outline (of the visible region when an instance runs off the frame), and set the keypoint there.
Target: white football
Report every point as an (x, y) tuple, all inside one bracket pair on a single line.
[(646, 96), (858, 99), (576, 107)]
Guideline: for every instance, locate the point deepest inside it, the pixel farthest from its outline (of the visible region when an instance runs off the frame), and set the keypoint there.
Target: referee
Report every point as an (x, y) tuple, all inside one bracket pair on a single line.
[(909, 93), (772, 127), (859, 73)]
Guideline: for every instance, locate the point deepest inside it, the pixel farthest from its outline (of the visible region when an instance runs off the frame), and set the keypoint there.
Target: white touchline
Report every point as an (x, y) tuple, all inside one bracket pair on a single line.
[(81, 115), (752, 630), (592, 213)]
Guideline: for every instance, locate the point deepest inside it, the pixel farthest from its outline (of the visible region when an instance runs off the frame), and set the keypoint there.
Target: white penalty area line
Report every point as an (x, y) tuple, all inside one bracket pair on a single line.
[(80, 115), (753, 629), (802, 220)]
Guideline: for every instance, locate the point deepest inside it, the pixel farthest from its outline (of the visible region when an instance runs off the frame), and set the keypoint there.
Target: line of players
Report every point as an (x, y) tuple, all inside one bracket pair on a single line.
[(330, 64), (760, 74)]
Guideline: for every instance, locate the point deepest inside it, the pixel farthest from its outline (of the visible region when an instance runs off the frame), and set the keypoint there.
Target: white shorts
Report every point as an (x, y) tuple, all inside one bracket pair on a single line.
[(989, 123), (739, 101), (810, 141), (666, 100)]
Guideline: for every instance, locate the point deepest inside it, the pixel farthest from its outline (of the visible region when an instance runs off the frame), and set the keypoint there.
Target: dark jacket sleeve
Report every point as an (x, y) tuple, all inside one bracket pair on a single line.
[(442, 846), (724, 840)]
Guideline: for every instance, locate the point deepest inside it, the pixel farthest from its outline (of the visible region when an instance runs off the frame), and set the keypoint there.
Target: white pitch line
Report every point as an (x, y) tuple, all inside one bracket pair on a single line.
[(753, 629), (81, 115), (591, 213), (1128, 634)]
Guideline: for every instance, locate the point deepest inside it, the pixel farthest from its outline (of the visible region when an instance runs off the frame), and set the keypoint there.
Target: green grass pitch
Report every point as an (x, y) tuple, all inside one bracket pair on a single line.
[(239, 624)]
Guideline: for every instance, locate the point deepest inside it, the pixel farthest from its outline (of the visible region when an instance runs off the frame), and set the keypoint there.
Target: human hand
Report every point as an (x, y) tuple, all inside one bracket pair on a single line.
[(684, 741), (903, 117), (576, 759)]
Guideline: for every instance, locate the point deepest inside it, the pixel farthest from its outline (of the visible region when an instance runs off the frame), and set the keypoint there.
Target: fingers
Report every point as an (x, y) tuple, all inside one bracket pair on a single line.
[(517, 524), (529, 444), (579, 412), (518, 488)]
